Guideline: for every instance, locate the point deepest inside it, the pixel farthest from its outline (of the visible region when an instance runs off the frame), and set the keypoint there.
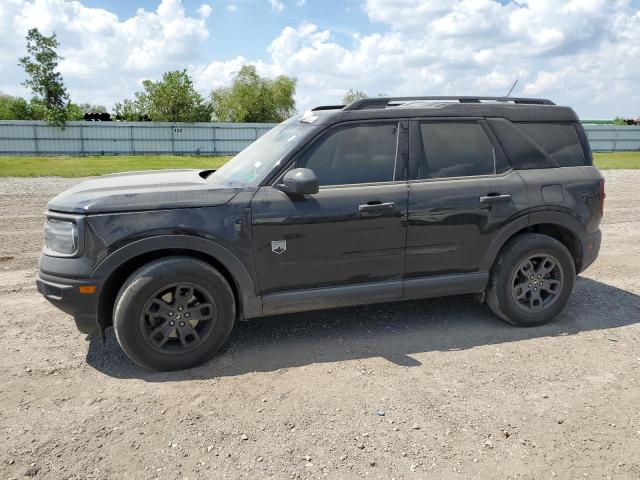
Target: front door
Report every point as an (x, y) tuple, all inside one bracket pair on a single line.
[(352, 231)]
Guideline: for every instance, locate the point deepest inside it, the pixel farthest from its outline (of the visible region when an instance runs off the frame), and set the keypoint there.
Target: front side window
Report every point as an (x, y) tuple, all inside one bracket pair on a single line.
[(251, 165), (456, 149), (362, 153)]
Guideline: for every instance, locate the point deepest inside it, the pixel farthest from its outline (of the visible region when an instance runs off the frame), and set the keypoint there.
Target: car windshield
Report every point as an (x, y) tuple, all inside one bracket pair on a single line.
[(249, 166)]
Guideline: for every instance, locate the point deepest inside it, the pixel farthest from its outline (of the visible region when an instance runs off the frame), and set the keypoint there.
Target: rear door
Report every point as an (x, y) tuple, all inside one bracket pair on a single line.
[(353, 230), (461, 192)]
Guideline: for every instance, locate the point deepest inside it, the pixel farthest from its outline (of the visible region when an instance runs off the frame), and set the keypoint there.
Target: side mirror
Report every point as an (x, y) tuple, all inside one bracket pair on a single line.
[(299, 181)]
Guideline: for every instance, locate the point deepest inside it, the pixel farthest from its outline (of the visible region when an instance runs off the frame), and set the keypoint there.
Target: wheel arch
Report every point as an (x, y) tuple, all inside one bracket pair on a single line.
[(119, 265), (559, 225)]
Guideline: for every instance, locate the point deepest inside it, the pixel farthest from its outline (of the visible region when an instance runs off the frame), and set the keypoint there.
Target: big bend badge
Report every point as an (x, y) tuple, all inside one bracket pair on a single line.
[(278, 246)]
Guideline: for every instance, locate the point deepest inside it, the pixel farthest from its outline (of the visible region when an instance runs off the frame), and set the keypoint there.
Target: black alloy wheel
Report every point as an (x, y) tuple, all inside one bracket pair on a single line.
[(178, 317), (537, 282), (173, 313)]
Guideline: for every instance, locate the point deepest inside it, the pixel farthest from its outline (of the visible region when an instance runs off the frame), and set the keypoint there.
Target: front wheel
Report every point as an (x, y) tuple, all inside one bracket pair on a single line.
[(173, 313), (532, 280)]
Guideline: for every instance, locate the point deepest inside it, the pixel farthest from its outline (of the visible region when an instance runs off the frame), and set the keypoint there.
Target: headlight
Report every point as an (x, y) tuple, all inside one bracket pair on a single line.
[(61, 237)]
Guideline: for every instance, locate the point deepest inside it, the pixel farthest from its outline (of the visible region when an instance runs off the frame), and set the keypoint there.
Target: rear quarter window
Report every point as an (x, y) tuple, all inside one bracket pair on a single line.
[(539, 145), (559, 140)]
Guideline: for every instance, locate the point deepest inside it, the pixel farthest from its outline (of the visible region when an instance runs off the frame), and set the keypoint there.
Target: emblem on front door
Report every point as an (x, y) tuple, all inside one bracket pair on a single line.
[(279, 246)]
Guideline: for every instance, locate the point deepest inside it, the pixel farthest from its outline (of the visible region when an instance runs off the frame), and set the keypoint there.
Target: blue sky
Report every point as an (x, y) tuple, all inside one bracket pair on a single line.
[(583, 53), (247, 29)]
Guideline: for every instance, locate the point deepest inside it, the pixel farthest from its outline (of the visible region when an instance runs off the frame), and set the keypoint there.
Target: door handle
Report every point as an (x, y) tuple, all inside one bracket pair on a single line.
[(375, 207), (495, 198)]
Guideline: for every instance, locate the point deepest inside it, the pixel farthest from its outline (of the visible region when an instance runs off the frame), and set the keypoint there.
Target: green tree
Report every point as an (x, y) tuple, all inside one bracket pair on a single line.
[(38, 110), (252, 98), (626, 121), (129, 110), (172, 99), (90, 108), (43, 79), (13, 108), (352, 95), (16, 108), (74, 112)]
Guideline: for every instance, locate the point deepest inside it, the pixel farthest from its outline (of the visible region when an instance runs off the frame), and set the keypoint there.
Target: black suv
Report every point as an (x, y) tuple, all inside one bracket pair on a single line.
[(381, 200)]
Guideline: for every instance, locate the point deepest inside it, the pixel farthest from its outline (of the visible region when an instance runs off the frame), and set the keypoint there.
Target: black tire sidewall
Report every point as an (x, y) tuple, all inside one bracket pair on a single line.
[(521, 248), (144, 283)]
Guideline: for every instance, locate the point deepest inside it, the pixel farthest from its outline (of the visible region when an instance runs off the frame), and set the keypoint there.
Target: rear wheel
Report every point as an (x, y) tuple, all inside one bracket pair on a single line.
[(531, 280), (173, 313)]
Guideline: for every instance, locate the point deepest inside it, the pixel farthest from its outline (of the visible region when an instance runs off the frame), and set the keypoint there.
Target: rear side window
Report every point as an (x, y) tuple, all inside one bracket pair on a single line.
[(363, 153), (559, 141), (456, 149), (539, 145)]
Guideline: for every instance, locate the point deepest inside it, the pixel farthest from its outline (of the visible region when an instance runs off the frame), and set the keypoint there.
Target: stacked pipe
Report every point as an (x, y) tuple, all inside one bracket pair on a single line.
[(97, 117)]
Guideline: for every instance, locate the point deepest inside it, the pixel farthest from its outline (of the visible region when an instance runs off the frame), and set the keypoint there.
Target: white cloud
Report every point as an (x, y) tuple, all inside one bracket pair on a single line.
[(276, 5), (585, 53), (232, 7), (205, 10), (105, 58)]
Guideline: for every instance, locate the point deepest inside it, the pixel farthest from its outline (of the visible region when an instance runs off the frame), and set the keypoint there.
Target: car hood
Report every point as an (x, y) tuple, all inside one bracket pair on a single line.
[(134, 191)]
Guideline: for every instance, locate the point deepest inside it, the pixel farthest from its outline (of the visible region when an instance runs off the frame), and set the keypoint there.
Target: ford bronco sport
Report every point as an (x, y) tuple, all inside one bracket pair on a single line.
[(381, 200)]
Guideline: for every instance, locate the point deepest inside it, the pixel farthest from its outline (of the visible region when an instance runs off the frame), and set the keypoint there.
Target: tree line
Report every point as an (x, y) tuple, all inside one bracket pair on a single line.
[(249, 98)]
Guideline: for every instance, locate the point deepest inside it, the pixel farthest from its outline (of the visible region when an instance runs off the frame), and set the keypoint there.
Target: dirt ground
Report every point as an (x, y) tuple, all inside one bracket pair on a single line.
[(426, 389)]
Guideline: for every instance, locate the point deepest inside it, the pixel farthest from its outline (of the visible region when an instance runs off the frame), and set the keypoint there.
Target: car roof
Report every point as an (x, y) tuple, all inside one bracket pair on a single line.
[(514, 109)]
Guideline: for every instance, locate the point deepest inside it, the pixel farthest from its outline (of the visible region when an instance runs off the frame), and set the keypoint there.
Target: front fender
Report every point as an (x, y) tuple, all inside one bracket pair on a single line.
[(250, 301)]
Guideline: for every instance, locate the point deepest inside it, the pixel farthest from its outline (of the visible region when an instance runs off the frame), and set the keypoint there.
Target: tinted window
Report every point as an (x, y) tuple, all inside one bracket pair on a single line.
[(456, 150), (559, 141), (251, 165), (354, 154), (539, 145), (520, 150)]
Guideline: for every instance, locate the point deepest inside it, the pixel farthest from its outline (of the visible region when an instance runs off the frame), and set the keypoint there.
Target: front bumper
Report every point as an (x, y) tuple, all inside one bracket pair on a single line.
[(65, 294)]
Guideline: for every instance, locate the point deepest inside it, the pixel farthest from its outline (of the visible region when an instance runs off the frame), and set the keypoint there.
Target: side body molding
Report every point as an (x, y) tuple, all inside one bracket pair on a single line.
[(250, 301)]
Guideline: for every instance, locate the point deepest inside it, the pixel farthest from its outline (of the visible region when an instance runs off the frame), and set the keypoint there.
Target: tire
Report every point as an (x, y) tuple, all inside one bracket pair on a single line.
[(519, 291), (173, 313)]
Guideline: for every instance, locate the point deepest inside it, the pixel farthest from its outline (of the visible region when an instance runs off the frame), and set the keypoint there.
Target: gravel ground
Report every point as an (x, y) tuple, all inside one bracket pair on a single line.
[(425, 389)]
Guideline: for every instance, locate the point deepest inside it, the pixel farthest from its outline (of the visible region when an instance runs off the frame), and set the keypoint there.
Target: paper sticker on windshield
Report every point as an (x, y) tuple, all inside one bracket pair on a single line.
[(308, 117), (279, 246)]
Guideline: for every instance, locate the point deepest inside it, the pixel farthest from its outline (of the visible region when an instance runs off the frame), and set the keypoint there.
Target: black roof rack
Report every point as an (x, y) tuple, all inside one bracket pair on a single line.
[(328, 107), (373, 103)]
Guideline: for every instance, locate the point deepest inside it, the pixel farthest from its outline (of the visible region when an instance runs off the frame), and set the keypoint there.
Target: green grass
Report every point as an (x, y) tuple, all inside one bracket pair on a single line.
[(622, 160), (89, 166)]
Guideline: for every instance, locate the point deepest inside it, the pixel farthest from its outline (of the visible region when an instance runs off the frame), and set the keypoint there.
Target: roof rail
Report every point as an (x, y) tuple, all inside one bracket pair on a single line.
[(328, 107), (372, 103)]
